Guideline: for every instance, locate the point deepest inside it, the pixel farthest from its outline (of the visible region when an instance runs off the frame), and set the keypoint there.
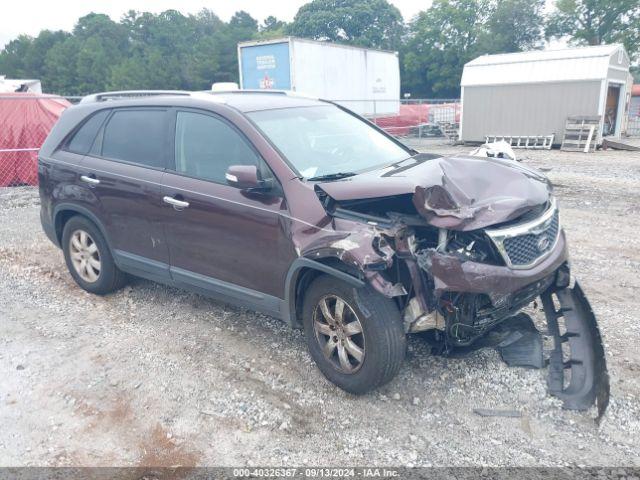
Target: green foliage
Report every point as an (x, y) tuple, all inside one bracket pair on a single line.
[(514, 25), (369, 23), (144, 50), (172, 50), (452, 32), (271, 24), (594, 22), (272, 28)]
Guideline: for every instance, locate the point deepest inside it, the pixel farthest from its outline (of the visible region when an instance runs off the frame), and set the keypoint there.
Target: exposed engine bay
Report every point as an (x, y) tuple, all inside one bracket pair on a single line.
[(462, 259)]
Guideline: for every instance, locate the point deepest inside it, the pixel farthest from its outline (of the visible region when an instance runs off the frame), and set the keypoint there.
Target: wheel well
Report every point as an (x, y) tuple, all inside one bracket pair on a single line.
[(308, 275), (60, 221)]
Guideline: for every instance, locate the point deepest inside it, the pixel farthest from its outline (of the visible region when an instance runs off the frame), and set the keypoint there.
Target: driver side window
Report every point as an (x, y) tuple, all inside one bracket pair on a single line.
[(205, 147)]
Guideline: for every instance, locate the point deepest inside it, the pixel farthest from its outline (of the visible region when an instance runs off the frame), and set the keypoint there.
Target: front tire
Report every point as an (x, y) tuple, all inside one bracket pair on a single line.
[(88, 257), (355, 336)]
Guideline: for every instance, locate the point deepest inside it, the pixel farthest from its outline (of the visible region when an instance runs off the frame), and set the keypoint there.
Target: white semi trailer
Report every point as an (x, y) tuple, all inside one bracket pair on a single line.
[(366, 81)]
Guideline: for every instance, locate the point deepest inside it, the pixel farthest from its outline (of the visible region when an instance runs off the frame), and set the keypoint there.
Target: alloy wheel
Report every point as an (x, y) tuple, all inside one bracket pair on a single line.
[(85, 256), (339, 333)]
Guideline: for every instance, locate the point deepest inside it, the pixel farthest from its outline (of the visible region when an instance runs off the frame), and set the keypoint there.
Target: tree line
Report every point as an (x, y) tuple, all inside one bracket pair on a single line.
[(171, 50)]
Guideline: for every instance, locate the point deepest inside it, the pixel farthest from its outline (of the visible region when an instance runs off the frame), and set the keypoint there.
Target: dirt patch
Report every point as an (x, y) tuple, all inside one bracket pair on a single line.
[(160, 449)]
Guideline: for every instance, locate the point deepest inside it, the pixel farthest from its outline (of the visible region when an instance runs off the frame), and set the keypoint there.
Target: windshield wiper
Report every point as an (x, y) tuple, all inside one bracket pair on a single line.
[(332, 176)]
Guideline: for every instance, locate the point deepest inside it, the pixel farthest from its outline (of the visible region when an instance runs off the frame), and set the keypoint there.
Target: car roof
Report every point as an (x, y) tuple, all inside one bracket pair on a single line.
[(254, 101), (245, 101)]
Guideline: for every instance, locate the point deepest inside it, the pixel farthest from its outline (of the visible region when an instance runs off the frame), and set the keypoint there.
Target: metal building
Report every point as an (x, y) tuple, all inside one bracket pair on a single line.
[(533, 93)]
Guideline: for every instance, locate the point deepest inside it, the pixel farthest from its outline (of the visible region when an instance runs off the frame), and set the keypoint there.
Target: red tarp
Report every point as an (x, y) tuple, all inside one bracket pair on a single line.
[(25, 122)]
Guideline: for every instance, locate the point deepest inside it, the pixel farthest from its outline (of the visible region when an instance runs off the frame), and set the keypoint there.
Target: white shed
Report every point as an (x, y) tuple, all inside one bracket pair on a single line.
[(533, 93)]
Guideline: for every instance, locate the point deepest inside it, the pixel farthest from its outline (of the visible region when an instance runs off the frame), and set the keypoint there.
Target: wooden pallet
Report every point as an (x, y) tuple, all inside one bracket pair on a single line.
[(535, 142), (581, 134)]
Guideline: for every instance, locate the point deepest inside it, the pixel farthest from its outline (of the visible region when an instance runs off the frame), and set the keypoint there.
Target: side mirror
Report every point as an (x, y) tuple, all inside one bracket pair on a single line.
[(246, 177)]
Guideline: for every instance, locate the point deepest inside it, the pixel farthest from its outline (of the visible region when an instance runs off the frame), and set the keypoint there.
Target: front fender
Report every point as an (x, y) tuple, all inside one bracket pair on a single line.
[(292, 293)]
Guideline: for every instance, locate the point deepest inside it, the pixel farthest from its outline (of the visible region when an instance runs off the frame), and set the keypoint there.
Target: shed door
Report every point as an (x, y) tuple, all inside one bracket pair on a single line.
[(611, 110)]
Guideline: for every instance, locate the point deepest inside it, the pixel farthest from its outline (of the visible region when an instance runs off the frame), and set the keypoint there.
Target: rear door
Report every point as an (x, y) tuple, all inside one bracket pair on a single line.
[(223, 239), (122, 173)]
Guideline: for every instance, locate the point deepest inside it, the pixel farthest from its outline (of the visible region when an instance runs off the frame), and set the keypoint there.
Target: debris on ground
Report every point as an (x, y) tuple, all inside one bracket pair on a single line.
[(488, 412), (499, 149)]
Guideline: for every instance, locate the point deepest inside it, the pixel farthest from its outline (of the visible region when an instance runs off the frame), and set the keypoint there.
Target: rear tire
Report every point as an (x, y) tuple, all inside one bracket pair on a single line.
[(89, 258), (365, 344)]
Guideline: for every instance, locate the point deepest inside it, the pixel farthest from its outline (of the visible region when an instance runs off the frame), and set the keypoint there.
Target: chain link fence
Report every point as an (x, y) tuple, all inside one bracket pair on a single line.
[(633, 127), (414, 121)]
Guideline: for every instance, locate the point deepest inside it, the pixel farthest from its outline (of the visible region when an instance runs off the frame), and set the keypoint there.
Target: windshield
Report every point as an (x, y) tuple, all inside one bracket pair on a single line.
[(325, 140)]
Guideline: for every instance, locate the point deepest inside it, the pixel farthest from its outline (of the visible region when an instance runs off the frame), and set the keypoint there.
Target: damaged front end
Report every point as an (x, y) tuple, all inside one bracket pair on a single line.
[(463, 257)]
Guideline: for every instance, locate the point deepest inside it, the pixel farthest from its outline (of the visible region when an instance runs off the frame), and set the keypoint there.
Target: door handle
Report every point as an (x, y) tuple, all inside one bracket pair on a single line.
[(175, 202), (88, 179)]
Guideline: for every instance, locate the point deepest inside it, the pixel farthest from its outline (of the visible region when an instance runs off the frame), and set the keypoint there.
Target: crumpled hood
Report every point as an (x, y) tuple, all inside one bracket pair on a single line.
[(457, 192)]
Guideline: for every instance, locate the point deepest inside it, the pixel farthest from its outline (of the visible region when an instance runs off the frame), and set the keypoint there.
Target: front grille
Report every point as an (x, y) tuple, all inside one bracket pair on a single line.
[(528, 243), (525, 249)]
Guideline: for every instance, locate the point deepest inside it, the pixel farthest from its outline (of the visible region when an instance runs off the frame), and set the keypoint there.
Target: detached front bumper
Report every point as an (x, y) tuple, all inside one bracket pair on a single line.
[(577, 364), (474, 298)]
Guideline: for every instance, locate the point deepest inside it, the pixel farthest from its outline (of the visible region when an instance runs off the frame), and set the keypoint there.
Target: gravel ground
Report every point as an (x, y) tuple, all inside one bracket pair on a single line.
[(152, 375)]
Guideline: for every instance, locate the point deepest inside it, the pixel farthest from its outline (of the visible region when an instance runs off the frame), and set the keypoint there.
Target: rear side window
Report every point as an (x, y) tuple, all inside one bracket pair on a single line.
[(83, 138), (207, 146), (136, 136)]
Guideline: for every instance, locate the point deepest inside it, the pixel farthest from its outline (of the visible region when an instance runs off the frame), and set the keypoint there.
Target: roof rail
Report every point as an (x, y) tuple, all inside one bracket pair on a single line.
[(104, 96), (131, 94)]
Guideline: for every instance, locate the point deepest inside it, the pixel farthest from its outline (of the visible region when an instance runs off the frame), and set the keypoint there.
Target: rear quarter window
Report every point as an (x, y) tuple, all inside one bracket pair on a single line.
[(136, 136), (82, 140)]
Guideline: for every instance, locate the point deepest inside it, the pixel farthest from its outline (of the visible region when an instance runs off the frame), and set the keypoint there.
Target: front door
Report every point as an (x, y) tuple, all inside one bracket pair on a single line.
[(221, 238), (123, 172)]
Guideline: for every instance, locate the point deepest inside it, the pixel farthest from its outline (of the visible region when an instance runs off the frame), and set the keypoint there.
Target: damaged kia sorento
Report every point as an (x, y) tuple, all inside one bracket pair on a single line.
[(303, 210)]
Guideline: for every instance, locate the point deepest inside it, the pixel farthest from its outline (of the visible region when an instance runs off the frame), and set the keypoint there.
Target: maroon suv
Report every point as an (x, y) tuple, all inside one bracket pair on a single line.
[(305, 211)]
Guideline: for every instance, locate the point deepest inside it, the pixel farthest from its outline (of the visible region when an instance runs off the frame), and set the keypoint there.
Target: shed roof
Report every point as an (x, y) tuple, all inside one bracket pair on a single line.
[(583, 63)]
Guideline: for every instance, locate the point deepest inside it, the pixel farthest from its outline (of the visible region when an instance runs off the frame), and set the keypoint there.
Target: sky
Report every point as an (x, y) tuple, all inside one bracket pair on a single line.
[(31, 17)]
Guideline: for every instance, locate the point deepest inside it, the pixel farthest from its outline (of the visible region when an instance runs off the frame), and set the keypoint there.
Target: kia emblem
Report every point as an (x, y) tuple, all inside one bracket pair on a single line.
[(543, 243)]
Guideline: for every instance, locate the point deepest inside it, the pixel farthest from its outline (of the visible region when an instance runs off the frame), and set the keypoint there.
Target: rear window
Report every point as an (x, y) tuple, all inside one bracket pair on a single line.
[(136, 136), (82, 140)]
